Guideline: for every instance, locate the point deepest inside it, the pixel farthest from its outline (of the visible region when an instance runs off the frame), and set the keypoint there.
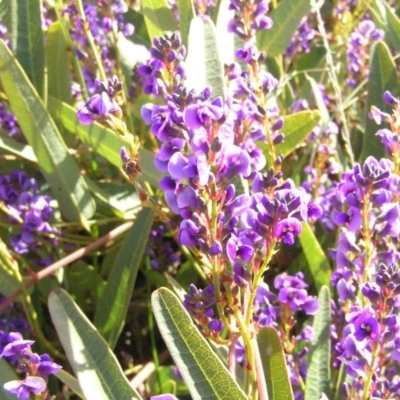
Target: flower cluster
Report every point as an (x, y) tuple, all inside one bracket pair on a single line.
[(358, 51), (36, 368), (105, 20), (199, 303), (302, 39), (22, 201), (390, 137), (102, 106), (370, 345)]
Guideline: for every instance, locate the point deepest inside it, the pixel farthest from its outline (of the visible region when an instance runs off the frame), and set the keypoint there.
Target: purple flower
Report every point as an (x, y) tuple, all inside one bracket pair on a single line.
[(99, 106), (16, 345), (288, 229), (23, 389), (203, 114), (47, 366), (366, 326), (239, 248)]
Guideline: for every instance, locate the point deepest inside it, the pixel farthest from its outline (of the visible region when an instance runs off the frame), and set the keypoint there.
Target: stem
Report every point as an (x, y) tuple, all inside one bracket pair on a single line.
[(67, 37), (367, 385), (91, 41), (334, 80), (256, 280), (67, 260)]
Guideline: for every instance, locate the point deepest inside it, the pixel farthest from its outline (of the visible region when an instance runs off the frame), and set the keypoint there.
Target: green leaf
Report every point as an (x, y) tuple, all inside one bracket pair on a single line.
[(186, 14), (201, 369), (57, 165), (319, 101), (117, 200), (7, 374), (382, 77), (85, 284), (318, 373), (58, 64), (286, 17), (274, 364), (27, 40), (19, 149), (316, 258), (158, 17), (8, 282), (296, 128), (204, 66), (96, 367), (70, 381), (113, 305), (102, 140), (387, 20)]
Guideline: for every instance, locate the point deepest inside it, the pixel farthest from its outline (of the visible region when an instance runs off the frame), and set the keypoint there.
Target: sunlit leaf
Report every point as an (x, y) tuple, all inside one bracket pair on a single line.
[(274, 365), (96, 367), (318, 373), (204, 66), (70, 381), (316, 258), (201, 369), (19, 149), (296, 128)]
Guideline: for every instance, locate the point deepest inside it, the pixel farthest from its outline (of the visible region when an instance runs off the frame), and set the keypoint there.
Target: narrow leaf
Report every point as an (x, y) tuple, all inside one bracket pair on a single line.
[(318, 373), (186, 14), (8, 282), (382, 77), (286, 17), (102, 140), (316, 258), (201, 369), (27, 40), (204, 66), (274, 365), (296, 128), (6, 375), (319, 101), (385, 18), (120, 201), (57, 165), (70, 381), (19, 149), (113, 305), (96, 367), (158, 17), (58, 64)]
